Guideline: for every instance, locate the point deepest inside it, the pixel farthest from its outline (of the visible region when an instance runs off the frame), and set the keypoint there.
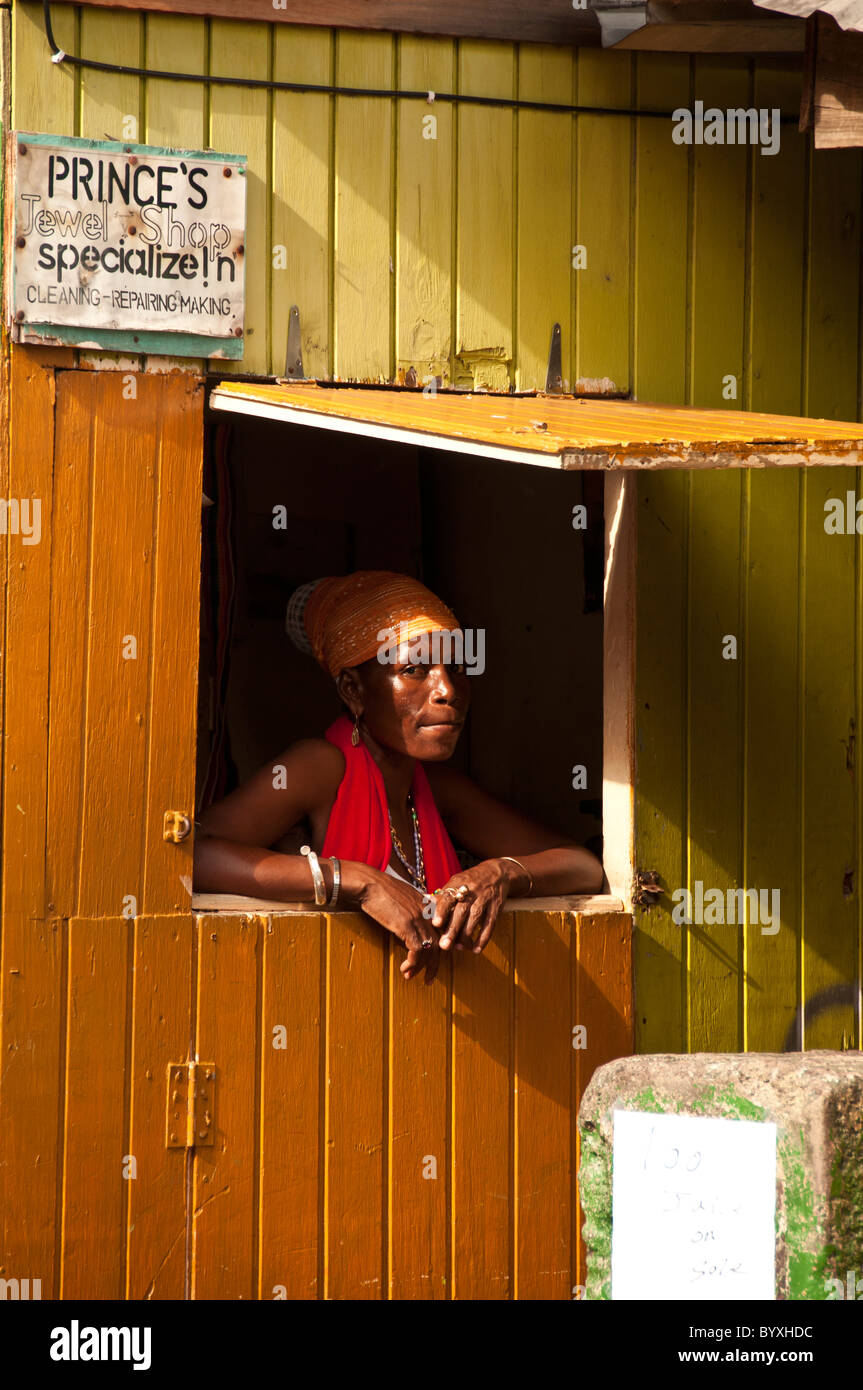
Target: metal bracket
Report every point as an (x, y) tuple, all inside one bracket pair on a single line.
[(647, 887), (189, 1120), (176, 827), (294, 359), (618, 21), (554, 375)]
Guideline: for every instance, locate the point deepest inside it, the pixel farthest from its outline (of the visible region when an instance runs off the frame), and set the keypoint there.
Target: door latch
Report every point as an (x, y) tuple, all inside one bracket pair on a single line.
[(175, 827), (647, 887), (191, 1105)]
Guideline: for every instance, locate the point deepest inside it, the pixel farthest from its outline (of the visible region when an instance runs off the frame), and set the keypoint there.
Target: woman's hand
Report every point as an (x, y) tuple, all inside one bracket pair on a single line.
[(399, 908), (469, 920)]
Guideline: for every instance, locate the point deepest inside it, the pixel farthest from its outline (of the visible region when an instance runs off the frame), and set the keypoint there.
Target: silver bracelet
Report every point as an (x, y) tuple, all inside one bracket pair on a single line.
[(528, 875), (317, 876), (337, 878)]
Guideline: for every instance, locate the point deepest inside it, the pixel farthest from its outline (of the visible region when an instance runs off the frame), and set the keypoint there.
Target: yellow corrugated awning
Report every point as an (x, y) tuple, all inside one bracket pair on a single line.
[(555, 431)]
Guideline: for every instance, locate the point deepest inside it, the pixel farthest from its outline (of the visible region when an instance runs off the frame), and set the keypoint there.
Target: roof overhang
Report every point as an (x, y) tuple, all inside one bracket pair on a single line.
[(552, 431), (684, 26)]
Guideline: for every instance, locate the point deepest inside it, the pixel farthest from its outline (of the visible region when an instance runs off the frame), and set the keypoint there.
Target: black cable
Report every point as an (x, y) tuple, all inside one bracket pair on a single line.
[(59, 56)]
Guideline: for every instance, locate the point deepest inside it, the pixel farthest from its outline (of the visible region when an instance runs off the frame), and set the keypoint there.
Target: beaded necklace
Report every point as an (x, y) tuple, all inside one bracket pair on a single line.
[(417, 873)]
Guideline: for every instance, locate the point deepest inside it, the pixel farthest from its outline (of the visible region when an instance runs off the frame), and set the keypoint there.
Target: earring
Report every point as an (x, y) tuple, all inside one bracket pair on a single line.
[(355, 732)]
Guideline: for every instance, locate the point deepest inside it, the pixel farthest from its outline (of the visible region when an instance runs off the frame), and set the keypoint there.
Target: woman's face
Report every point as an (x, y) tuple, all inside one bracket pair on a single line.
[(414, 708)]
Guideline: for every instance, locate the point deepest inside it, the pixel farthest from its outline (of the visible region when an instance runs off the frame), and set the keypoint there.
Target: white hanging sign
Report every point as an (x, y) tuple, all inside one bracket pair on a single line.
[(693, 1207)]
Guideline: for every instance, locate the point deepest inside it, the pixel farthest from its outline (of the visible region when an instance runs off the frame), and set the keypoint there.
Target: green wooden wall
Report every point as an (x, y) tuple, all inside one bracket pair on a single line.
[(748, 769), (454, 256)]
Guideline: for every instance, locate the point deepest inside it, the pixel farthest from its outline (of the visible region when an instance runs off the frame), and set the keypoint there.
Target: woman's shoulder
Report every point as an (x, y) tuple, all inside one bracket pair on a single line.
[(315, 757)]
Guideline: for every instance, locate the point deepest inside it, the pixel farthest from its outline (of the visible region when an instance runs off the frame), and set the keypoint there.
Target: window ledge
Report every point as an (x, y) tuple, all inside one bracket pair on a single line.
[(231, 903)]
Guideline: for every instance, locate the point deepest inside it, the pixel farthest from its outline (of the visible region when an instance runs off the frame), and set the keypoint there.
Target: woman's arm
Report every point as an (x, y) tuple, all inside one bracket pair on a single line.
[(300, 782), (230, 856), (492, 830)]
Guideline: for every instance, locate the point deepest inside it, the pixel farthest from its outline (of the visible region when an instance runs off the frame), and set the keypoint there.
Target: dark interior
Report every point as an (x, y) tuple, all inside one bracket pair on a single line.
[(495, 540)]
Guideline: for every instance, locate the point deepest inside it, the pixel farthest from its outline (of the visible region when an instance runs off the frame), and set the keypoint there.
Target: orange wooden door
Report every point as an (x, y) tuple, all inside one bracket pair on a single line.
[(376, 1139), (99, 739)]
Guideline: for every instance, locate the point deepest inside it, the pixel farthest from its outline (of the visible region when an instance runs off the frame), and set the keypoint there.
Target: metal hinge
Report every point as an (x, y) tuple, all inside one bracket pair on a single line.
[(647, 887), (554, 373), (191, 1104), (294, 355)]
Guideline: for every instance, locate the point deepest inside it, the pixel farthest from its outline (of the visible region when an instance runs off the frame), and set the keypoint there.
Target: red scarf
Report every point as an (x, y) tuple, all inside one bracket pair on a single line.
[(359, 828)]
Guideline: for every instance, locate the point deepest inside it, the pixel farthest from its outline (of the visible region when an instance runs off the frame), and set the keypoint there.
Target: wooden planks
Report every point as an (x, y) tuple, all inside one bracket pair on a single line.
[(409, 1142), (425, 211), (166, 870), (827, 795), (400, 1141), (224, 1217), (103, 638), (484, 237), (602, 182), (32, 986), (293, 1102), (544, 240), (419, 1137), (555, 22), (161, 1028), (28, 605), (44, 94), (482, 1212), (719, 246), (772, 753), (240, 120), (602, 991), (363, 269), (660, 319), (72, 544), (111, 107), (119, 651), (778, 223), (302, 199), (544, 1161), (660, 754), (718, 647), (175, 112), (96, 1148), (773, 733), (356, 1078)]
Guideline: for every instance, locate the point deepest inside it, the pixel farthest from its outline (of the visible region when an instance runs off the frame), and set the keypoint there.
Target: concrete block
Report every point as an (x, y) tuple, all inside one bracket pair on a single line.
[(816, 1101)]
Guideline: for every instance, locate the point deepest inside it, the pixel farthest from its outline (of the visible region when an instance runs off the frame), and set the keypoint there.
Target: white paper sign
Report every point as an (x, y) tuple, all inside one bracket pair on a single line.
[(693, 1207)]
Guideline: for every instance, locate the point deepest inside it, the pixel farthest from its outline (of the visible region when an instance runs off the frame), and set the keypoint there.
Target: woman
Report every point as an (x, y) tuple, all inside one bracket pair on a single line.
[(376, 794)]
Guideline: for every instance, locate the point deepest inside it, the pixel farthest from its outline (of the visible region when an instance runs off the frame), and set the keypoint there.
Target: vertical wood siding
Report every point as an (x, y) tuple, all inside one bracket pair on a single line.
[(99, 742), (453, 256), (315, 1185), (748, 770)]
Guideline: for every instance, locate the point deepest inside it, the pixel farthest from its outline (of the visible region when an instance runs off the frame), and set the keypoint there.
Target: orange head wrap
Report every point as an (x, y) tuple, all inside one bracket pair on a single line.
[(344, 616)]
